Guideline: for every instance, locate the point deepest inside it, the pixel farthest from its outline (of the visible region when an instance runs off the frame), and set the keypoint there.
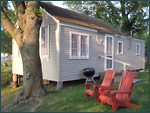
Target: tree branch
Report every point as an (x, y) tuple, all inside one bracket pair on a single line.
[(112, 7), (20, 7), (123, 8), (133, 8), (15, 33)]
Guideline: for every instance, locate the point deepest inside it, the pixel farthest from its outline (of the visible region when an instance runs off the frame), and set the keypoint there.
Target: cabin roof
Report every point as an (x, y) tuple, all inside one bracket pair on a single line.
[(69, 16)]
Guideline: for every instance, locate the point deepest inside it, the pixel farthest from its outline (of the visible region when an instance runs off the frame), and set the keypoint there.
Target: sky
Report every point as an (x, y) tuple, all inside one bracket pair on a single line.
[(59, 4), (56, 3)]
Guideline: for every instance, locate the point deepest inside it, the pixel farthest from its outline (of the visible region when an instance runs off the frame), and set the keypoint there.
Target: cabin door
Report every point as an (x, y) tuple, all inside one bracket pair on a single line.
[(109, 52)]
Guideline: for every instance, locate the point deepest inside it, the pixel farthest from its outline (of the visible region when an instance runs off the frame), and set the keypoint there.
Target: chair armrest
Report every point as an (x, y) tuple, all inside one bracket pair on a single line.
[(107, 88), (89, 83), (97, 85), (121, 92)]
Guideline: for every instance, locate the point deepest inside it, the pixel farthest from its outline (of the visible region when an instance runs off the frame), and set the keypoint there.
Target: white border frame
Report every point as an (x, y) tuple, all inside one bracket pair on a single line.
[(107, 35), (118, 48), (79, 46), (139, 50)]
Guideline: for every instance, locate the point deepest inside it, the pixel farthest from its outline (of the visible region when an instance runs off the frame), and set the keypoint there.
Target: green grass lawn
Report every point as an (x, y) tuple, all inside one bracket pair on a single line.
[(7, 92), (5, 79), (8, 68), (73, 99)]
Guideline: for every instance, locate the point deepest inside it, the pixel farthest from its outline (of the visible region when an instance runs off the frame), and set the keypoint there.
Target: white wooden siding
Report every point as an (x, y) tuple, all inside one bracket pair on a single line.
[(129, 54), (17, 67), (50, 66), (71, 69)]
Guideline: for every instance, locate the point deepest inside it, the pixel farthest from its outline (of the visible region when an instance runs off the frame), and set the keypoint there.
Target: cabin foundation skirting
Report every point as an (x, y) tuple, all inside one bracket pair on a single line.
[(46, 82), (49, 82), (59, 85)]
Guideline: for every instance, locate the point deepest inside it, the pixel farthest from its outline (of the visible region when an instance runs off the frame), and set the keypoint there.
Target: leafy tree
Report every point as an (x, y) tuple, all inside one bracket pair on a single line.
[(127, 16), (6, 45), (28, 17)]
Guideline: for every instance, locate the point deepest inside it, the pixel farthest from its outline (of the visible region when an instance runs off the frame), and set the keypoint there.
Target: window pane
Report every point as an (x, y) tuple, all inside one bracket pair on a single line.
[(83, 45), (109, 62), (44, 41), (120, 47), (138, 49), (109, 46), (75, 44)]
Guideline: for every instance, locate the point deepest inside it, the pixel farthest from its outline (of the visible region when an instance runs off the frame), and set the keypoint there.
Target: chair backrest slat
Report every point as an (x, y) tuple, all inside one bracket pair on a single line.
[(125, 84), (109, 75)]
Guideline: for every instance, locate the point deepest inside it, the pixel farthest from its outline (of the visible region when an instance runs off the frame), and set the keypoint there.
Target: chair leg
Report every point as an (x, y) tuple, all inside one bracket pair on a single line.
[(96, 99), (87, 87), (88, 96), (114, 107), (114, 104), (96, 94), (130, 105), (103, 103)]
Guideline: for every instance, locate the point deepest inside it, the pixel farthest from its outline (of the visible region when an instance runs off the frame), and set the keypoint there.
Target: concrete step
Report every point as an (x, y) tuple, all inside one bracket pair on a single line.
[(136, 80)]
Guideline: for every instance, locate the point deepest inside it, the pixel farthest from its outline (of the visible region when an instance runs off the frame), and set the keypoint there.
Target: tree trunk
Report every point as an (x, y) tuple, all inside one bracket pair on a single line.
[(27, 38), (32, 71)]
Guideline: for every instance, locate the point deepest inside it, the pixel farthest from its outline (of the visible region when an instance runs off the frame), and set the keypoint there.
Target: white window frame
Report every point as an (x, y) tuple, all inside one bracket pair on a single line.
[(105, 65), (139, 50), (79, 46), (48, 43), (121, 53)]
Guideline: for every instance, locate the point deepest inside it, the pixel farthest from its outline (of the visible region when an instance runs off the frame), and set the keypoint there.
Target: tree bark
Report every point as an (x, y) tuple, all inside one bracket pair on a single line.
[(126, 25), (28, 41), (32, 78)]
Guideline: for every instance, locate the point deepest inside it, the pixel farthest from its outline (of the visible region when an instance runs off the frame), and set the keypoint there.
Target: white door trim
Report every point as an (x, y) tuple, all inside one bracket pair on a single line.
[(107, 35)]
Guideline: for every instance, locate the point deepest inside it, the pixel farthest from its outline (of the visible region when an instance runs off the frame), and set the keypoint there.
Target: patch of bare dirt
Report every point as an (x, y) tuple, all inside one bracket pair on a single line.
[(3, 74), (146, 82), (36, 106), (31, 104)]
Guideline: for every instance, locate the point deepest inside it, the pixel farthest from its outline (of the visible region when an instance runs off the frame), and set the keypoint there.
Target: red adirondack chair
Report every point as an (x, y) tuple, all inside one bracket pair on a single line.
[(123, 95), (108, 81)]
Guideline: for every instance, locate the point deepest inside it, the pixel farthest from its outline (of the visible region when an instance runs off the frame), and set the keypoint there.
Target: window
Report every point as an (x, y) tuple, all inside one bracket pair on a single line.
[(75, 49), (83, 46), (109, 46), (44, 41), (109, 63), (79, 46), (137, 49), (120, 47)]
